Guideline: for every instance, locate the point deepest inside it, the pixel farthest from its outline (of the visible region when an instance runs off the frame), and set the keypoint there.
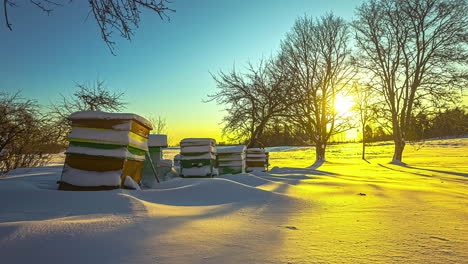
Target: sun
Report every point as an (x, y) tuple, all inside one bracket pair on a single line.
[(343, 104)]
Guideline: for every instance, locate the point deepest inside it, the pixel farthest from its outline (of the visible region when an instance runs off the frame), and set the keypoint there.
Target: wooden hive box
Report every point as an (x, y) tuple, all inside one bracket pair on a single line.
[(231, 160), (197, 157), (256, 159), (104, 148)]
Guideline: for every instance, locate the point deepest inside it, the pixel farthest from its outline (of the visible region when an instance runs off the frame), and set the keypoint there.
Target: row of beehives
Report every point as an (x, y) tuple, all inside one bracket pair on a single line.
[(200, 157), (109, 150)]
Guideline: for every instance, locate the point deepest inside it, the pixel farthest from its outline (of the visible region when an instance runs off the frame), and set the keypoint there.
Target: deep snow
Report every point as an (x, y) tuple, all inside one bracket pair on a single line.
[(342, 211)]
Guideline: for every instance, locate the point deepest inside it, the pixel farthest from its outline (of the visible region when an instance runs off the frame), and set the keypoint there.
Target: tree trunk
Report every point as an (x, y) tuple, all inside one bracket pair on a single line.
[(363, 142), (320, 151), (363, 149), (254, 140), (399, 147)]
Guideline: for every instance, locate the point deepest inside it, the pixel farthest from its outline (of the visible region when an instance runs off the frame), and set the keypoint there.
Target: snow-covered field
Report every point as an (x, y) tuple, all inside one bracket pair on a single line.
[(343, 211)]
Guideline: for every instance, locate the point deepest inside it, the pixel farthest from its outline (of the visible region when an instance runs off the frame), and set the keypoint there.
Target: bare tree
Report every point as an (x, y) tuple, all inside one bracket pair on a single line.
[(253, 99), (365, 107), (415, 51), (159, 124), (14, 114), (89, 96), (121, 16), (316, 55), (24, 137)]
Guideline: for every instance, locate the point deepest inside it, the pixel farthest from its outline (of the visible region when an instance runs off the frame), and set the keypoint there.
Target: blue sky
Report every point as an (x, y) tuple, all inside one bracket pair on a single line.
[(165, 69)]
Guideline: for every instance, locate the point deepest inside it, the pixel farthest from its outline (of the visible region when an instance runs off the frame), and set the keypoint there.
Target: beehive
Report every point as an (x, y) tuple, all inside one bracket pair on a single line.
[(256, 159), (156, 143), (104, 148), (231, 160), (197, 157)]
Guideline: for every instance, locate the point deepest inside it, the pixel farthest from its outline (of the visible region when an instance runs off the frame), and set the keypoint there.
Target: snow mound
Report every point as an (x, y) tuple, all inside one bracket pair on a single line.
[(131, 184), (259, 173), (205, 192), (397, 162), (247, 179)]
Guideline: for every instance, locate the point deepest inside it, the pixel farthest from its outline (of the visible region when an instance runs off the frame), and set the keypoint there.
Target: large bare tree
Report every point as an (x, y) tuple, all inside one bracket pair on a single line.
[(253, 98), (121, 16), (414, 51), (317, 58)]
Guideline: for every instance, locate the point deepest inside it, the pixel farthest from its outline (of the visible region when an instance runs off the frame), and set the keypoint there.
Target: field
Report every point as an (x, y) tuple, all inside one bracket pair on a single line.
[(345, 210)]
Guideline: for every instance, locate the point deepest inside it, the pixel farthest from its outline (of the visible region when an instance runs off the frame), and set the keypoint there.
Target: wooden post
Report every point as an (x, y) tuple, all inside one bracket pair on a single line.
[(155, 172)]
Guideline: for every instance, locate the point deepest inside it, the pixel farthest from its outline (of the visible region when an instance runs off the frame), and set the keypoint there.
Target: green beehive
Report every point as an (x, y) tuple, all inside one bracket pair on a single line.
[(231, 160), (156, 143), (198, 157)]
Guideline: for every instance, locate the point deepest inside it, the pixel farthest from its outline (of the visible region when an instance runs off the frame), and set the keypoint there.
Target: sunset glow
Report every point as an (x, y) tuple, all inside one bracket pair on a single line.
[(343, 105)]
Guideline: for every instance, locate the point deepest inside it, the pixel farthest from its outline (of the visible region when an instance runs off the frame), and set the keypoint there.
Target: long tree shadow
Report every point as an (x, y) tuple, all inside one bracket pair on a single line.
[(438, 171), (425, 175), (307, 171), (316, 164)]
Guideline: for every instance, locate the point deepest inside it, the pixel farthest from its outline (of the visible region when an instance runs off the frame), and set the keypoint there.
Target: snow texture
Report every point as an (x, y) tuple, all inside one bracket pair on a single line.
[(255, 150), (197, 142), (165, 163), (196, 171), (345, 210), (110, 116), (202, 156), (125, 126), (157, 140), (198, 149), (121, 153), (90, 178), (131, 184), (231, 149), (252, 169), (107, 136)]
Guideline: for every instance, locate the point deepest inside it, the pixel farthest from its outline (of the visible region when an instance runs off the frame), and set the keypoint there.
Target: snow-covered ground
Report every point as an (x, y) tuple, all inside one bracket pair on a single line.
[(342, 211)]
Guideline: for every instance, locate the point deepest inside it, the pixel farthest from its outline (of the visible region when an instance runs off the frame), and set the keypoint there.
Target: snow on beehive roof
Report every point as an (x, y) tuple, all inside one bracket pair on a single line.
[(198, 140), (157, 140), (232, 149), (109, 116)]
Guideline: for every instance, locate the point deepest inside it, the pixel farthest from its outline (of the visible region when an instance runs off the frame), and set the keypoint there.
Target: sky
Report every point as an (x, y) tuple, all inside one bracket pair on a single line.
[(165, 69)]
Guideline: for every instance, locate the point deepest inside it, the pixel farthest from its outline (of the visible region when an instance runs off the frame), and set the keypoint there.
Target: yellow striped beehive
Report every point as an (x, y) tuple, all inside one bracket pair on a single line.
[(104, 148)]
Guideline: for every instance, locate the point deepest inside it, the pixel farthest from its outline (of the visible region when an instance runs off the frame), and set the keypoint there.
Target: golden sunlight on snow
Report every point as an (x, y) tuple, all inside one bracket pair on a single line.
[(345, 210)]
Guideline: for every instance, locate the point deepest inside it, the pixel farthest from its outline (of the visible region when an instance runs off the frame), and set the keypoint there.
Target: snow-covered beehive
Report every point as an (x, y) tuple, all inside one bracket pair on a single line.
[(156, 143), (197, 157), (104, 149), (256, 159), (231, 160)]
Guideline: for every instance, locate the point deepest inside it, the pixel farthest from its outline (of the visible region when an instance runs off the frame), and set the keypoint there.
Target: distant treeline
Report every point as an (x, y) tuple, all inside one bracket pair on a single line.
[(447, 123)]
